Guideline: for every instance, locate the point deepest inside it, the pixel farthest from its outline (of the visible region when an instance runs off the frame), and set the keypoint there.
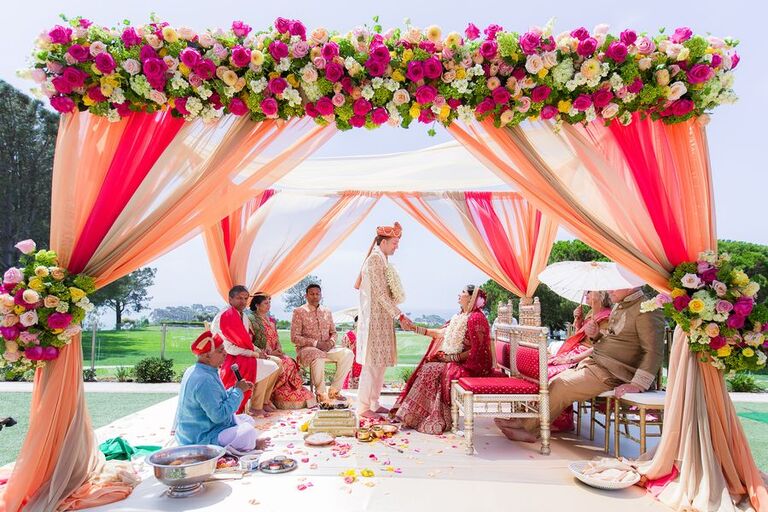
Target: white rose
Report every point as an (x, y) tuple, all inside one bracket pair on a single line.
[(158, 97), (206, 40), (9, 320), (609, 110), (30, 296), (309, 74), (186, 33), (11, 346), (401, 97), (132, 66), (691, 281), (550, 59), (29, 318), (534, 63), (662, 77), (676, 91), (97, 47), (644, 64), (154, 41), (683, 54)]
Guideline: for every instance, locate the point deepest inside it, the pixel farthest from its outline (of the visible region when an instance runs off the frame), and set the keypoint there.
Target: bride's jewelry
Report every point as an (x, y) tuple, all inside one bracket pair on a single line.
[(453, 342)]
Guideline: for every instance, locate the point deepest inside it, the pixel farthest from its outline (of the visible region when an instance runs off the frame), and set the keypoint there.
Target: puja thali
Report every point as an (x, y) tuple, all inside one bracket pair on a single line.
[(278, 464)]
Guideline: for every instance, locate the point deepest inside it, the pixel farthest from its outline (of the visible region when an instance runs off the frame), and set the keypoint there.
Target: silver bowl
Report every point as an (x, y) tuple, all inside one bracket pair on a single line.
[(184, 468)]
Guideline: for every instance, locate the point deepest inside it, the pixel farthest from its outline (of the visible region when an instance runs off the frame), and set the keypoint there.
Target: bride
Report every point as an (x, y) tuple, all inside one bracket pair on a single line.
[(460, 349)]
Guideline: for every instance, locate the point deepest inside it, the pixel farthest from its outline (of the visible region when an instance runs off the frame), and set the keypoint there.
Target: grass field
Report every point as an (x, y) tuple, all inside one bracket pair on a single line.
[(125, 348), (103, 407)]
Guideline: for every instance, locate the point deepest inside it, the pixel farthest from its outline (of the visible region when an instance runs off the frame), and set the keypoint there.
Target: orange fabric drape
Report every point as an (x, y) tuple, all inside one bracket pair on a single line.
[(526, 233), (224, 164), (603, 184)]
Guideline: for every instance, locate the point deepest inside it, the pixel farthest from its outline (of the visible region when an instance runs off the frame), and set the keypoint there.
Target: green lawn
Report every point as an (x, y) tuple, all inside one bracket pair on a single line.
[(103, 407), (754, 419), (125, 348)]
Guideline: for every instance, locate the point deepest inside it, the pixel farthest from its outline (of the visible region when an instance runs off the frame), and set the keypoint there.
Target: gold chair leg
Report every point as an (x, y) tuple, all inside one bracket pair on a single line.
[(642, 430), (454, 409), (592, 419), (579, 408), (608, 415), (616, 432), (469, 422)]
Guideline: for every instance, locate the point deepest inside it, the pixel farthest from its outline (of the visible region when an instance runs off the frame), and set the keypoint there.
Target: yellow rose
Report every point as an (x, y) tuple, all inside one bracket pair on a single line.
[(36, 284), (564, 106), (229, 77), (163, 52), (415, 111), (41, 271), (751, 289), (110, 80), (397, 76), (678, 292), (51, 301), (19, 309), (748, 352), (724, 351), (291, 79), (184, 70), (96, 70), (453, 39), (76, 293), (696, 306), (88, 101), (407, 55), (57, 273), (170, 35), (712, 330), (461, 73), (590, 68), (543, 72), (434, 33), (739, 278), (257, 58)]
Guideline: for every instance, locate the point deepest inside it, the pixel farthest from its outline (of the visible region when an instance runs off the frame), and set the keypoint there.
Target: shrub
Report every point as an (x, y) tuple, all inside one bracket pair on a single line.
[(153, 369), (89, 375), (123, 374), (745, 383)]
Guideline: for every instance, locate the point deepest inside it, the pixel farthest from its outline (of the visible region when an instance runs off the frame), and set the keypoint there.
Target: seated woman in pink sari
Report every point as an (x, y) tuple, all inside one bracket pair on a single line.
[(578, 347), (461, 349), (350, 341), (289, 391)]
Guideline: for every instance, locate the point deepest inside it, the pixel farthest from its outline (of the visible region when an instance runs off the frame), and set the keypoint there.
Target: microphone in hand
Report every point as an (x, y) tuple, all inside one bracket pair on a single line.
[(236, 371)]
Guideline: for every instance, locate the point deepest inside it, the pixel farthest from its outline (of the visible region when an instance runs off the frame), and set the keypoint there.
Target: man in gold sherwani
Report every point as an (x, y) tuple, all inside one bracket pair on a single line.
[(380, 294)]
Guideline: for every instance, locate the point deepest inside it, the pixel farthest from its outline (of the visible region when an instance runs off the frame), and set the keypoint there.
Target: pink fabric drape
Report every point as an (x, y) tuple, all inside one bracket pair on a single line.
[(500, 233), (642, 195), (185, 181)]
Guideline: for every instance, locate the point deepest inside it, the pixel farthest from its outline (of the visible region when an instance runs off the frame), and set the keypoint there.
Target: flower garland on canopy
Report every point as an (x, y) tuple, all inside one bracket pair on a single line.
[(42, 307), (366, 78), (714, 303)]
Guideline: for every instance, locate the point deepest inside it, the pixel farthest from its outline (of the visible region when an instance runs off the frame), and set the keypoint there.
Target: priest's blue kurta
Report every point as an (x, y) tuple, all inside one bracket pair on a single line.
[(205, 407)]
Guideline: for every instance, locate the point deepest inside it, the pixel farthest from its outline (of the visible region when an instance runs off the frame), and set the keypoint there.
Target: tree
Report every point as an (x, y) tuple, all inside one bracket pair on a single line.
[(753, 258), (294, 296), (26, 161), (127, 293)]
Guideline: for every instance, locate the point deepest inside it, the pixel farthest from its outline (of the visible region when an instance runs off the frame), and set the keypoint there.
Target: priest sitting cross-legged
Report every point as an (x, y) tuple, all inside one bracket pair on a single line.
[(206, 411)]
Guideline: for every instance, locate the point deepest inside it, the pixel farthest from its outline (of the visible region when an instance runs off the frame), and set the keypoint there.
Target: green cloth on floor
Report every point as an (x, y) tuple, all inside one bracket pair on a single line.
[(118, 448), (762, 417)]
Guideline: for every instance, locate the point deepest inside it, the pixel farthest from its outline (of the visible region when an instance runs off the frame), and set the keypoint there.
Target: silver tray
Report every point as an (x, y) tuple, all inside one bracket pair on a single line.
[(288, 465)]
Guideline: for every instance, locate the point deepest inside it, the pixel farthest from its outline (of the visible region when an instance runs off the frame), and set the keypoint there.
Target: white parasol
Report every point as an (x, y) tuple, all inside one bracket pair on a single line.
[(345, 315), (572, 279)]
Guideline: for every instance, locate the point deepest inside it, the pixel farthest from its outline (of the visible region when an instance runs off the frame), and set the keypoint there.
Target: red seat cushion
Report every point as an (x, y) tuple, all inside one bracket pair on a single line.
[(496, 372), (498, 386), (528, 362), (502, 354)]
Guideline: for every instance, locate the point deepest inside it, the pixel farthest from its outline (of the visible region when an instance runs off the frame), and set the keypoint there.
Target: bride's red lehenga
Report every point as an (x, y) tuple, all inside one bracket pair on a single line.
[(425, 403)]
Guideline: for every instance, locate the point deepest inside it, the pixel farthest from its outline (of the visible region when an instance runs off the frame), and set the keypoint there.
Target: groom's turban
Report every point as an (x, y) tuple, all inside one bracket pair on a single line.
[(395, 231), (206, 342)]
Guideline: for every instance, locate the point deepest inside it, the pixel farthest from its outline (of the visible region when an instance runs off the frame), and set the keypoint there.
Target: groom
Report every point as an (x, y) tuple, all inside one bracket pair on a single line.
[(380, 293)]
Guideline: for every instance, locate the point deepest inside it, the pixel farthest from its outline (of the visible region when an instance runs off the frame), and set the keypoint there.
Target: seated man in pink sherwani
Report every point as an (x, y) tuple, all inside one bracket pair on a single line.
[(314, 334)]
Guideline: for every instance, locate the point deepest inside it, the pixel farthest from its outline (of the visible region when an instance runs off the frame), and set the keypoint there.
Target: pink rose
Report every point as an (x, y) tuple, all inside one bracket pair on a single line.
[(617, 51), (29, 338), (34, 353), (26, 247), (334, 71), (699, 74), (13, 275), (297, 28), (130, 37), (583, 102), (105, 63), (379, 116), (375, 67), (735, 321), (240, 57), (311, 110), (432, 68), (636, 86), (60, 35), (587, 47), (190, 57), (717, 342), (269, 106), (240, 29), (324, 106), (181, 106), (278, 50), (720, 288), (501, 96), (96, 95), (681, 302), (206, 69), (628, 37), (548, 44), (529, 42), (319, 62), (277, 85), (491, 30), (602, 97), (330, 50), (357, 121), (425, 94), (426, 116), (488, 49), (735, 60), (49, 353), (523, 104), (743, 306), (361, 106), (79, 53), (381, 53), (681, 34), (300, 49), (74, 77), (238, 107), (59, 320), (282, 25), (548, 112), (580, 33), (723, 306), (62, 104), (682, 107), (10, 333), (415, 71), (540, 93), (645, 45), (472, 32)]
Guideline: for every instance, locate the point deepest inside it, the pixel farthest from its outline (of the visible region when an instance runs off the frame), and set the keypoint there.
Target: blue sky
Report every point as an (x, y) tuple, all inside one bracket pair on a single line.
[(433, 274)]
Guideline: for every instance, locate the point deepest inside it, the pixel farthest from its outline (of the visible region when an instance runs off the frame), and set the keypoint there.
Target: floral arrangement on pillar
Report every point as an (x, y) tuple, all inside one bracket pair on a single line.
[(714, 303), (368, 77), (42, 306)]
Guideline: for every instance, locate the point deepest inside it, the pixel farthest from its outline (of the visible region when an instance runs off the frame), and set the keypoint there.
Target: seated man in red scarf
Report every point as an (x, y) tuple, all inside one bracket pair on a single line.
[(233, 327)]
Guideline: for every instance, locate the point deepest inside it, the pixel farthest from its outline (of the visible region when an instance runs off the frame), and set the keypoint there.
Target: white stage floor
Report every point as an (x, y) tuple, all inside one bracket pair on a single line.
[(432, 473)]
